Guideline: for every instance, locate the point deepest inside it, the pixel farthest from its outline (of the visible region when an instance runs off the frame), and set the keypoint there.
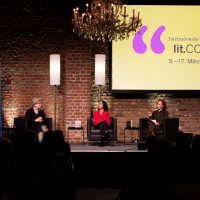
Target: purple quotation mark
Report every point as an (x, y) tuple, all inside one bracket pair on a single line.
[(138, 44), (156, 45)]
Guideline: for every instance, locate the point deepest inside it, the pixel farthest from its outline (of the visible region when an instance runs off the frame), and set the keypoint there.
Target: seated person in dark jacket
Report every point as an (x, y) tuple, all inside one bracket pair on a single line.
[(35, 117), (156, 119)]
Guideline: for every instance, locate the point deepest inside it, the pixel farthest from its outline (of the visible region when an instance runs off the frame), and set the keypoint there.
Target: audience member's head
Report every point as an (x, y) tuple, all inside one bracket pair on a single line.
[(59, 134), (162, 152), (182, 143), (196, 145), (151, 142), (5, 149), (29, 137), (49, 141)]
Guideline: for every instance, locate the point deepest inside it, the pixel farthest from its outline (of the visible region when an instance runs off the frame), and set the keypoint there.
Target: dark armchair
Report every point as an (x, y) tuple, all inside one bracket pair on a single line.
[(94, 134), (22, 124), (168, 133)]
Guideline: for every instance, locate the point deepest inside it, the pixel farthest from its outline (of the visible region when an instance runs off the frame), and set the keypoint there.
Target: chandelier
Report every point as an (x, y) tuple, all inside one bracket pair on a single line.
[(106, 20)]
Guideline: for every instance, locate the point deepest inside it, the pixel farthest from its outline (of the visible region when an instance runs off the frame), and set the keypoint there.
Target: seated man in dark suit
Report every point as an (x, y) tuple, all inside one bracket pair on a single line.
[(35, 117)]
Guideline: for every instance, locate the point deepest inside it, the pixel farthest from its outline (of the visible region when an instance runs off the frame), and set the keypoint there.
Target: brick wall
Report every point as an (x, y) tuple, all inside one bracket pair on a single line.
[(77, 74), (134, 106), (30, 32)]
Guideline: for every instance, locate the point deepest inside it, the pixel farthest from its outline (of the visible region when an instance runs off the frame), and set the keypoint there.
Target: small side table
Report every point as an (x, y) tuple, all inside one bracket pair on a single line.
[(74, 128), (129, 128)]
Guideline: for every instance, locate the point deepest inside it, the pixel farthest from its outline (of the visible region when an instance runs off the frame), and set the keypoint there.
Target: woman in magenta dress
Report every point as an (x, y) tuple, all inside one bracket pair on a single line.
[(102, 120)]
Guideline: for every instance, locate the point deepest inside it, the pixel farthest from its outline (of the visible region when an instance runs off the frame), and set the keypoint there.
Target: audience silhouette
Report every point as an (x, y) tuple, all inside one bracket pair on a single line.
[(31, 170), (171, 171)]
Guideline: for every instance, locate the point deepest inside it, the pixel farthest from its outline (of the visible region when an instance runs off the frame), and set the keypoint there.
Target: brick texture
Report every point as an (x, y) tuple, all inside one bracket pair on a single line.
[(125, 107), (30, 32)]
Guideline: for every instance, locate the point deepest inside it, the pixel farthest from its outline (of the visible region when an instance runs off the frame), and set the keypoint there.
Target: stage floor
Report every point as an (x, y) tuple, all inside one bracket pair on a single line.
[(109, 147)]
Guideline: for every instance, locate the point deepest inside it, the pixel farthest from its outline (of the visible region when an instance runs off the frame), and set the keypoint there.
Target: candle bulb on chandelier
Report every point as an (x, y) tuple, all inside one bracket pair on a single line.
[(112, 10), (87, 6), (76, 17), (99, 5), (99, 12), (74, 14), (124, 9), (133, 12), (90, 19), (101, 18), (77, 9), (82, 17), (138, 14)]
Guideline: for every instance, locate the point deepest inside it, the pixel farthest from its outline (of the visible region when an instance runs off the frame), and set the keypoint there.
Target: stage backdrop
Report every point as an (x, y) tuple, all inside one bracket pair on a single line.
[(164, 56)]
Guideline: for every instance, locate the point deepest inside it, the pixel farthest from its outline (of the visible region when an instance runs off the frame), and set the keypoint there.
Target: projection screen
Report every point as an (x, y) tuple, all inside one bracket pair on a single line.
[(165, 56)]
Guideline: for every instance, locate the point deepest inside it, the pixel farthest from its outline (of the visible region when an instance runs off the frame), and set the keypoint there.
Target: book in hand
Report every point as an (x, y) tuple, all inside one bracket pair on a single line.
[(152, 120)]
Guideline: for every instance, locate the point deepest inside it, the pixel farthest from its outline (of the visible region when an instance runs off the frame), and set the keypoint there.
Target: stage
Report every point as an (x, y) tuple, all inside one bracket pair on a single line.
[(111, 166), (109, 147)]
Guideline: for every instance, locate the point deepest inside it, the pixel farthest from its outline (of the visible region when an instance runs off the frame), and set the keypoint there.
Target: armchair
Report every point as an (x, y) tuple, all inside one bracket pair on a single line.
[(94, 134), (168, 133), (22, 124)]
